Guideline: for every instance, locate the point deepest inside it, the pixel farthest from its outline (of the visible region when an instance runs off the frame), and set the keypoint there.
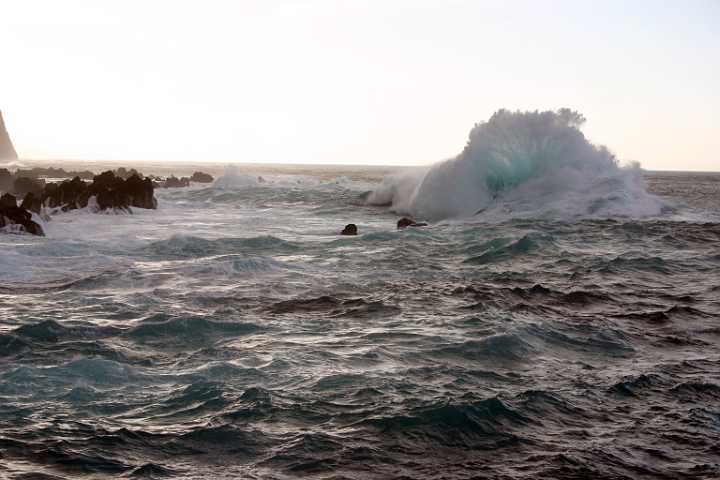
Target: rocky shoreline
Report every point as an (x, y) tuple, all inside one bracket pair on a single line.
[(116, 190)]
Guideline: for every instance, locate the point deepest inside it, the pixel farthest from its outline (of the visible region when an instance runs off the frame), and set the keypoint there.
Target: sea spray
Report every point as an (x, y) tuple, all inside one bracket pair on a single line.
[(522, 164), (233, 178)]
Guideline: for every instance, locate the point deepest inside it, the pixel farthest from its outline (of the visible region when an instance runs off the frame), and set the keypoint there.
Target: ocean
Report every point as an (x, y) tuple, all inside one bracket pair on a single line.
[(232, 333)]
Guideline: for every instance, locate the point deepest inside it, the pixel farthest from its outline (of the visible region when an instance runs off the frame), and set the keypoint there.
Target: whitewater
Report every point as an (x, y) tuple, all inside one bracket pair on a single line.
[(557, 318)]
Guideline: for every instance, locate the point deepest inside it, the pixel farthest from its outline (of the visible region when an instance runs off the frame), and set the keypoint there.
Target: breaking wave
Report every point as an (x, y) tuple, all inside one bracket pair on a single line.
[(524, 164)]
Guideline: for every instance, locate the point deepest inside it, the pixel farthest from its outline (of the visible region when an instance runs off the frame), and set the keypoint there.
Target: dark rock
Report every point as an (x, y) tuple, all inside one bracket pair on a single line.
[(32, 203), (140, 191), (174, 182), (350, 229), (8, 200), (7, 151), (409, 222), (109, 190), (11, 214), (112, 191), (201, 177), (68, 195), (23, 185)]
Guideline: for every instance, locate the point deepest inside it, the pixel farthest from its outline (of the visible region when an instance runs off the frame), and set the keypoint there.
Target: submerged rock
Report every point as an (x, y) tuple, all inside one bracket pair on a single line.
[(350, 229), (409, 222), (13, 216)]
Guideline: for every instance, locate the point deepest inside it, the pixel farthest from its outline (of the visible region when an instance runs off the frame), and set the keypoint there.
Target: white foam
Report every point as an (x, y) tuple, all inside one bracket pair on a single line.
[(522, 164)]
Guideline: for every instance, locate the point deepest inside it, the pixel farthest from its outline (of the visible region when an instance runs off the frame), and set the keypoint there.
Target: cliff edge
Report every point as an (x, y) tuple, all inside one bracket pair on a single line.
[(7, 151)]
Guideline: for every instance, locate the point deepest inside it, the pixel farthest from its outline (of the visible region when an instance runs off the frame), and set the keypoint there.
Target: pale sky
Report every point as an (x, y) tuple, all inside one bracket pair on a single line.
[(376, 82)]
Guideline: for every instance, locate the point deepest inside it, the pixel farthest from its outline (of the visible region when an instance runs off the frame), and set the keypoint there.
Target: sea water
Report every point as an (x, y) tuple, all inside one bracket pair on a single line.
[(232, 333)]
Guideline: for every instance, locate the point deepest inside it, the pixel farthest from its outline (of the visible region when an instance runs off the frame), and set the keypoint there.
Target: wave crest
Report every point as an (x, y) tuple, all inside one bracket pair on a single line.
[(522, 164)]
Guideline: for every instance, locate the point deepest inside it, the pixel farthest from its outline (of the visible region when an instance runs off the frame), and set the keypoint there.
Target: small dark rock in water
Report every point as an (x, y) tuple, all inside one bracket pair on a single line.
[(174, 182), (201, 177), (409, 222), (11, 214), (350, 229)]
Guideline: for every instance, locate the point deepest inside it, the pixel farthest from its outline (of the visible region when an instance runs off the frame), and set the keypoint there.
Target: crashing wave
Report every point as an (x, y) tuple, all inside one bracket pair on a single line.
[(233, 178), (522, 164)]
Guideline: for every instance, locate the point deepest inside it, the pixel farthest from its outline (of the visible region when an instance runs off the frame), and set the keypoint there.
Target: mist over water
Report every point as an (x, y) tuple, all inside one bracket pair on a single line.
[(532, 164)]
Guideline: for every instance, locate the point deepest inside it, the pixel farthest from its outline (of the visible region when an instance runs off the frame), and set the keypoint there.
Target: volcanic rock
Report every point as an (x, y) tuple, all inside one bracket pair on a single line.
[(12, 215), (32, 203), (8, 200), (201, 177), (409, 222), (350, 229), (109, 190), (174, 182)]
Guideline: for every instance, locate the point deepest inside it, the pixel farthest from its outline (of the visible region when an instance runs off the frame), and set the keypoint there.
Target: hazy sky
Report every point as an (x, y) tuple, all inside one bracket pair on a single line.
[(330, 81)]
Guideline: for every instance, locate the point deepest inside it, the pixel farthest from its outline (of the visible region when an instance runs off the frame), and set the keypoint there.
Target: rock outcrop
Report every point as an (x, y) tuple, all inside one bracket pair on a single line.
[(201, 177), (173, 182), (109, 190), (7, 151), (32, 203), (15, 218)]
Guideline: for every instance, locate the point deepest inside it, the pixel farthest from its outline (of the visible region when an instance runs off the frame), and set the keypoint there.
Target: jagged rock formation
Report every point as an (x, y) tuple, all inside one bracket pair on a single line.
[(109, 190), (7, 151), (15, 218)]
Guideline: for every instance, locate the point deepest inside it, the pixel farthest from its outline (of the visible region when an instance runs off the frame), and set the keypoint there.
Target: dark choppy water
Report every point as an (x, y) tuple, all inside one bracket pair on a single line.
[(231, 334)]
